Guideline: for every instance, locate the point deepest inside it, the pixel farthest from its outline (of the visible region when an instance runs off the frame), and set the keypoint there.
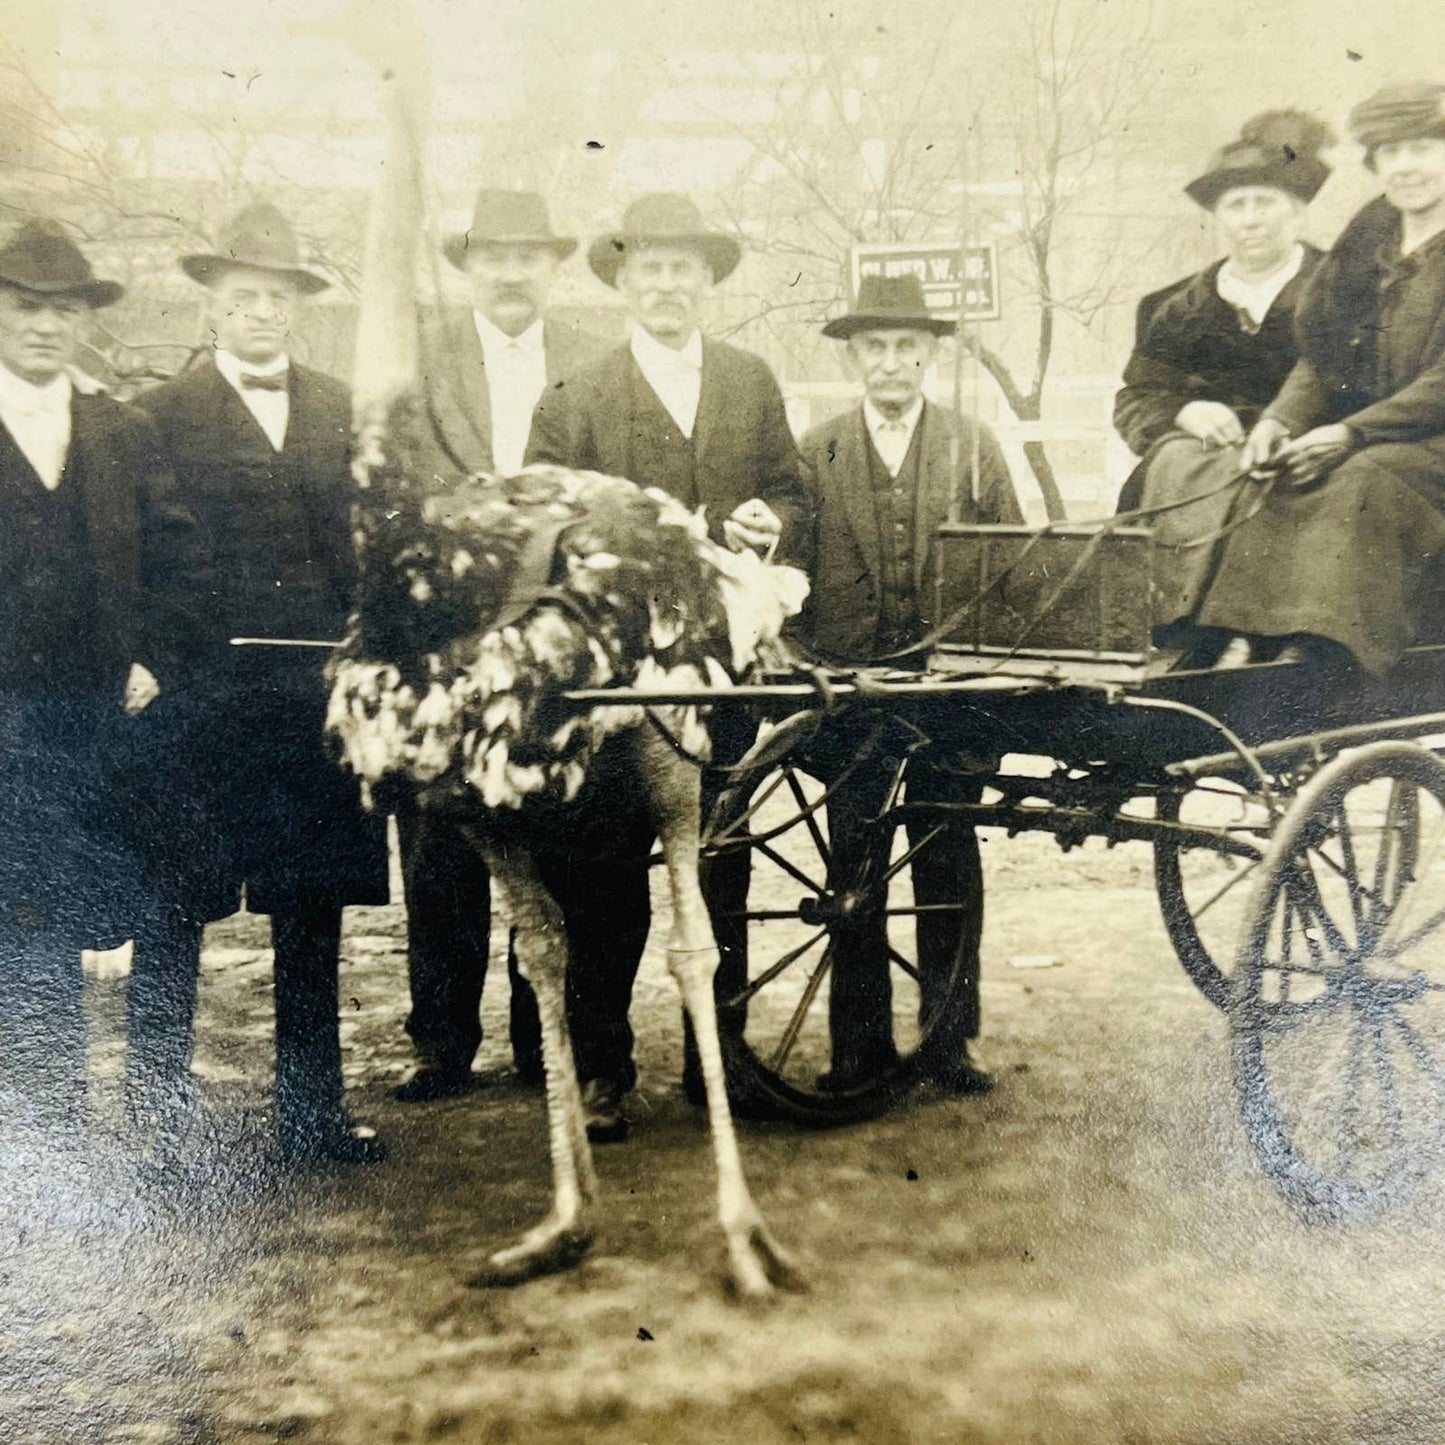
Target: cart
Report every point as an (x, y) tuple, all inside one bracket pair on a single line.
[(1297, 821)]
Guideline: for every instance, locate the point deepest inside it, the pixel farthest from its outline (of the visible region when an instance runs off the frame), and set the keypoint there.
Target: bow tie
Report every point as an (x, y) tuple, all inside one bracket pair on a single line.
[(899, 427), (251, 381)]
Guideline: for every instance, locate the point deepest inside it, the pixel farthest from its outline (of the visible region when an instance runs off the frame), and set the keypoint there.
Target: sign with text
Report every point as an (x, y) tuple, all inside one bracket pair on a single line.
[(951, 275)]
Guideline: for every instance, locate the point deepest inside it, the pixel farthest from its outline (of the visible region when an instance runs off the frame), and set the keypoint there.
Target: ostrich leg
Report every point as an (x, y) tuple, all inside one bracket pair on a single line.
[(566, 1234), (756, 1261)]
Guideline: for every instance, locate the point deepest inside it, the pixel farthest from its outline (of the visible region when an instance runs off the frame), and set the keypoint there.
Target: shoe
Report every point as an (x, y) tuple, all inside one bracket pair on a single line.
[(1237, 653), (342, 1142), (602, 1108), (857, 1071), (967, 1075), (529, 1070), (744, 1103), (432, 1082)]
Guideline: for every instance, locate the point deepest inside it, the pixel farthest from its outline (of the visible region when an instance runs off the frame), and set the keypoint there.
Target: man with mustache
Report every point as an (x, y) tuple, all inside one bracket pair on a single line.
[(485, 371), (705, 422)]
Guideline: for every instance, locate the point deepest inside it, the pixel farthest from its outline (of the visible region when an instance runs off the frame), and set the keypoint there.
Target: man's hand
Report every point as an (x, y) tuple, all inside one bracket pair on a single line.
[(1262, 447), (141, 689), (1312, 457), (754, 524), (1211, 421)]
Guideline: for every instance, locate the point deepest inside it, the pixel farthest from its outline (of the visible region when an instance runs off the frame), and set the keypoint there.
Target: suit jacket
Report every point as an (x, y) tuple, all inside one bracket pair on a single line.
[(608, 419), (238, 746), (454, 376), (841, 619), (142, 538)]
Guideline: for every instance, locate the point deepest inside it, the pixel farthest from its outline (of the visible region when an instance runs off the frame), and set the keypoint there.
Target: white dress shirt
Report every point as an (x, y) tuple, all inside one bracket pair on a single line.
[(891, 438), (272, 409), (516, 379), (676, 376), (38, 417), (1254, 298)]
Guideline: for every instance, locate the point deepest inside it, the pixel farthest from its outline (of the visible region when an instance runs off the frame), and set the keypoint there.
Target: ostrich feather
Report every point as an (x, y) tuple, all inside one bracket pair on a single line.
[(480, 610)]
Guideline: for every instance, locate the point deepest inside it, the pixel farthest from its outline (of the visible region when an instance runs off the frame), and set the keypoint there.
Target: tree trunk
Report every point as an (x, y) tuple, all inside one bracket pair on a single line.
[(1043, 471)]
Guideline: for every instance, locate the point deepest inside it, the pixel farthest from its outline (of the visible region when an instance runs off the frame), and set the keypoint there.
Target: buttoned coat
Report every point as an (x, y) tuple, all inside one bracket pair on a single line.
[(843, 612), (239, 772), (608, 419)]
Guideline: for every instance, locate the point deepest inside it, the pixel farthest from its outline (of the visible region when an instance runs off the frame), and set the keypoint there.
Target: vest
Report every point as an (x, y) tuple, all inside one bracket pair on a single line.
[(895, 505), (658, 453)]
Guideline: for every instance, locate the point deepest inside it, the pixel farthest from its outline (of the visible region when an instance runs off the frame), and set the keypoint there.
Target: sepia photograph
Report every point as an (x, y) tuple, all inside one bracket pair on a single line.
[(722, 723)]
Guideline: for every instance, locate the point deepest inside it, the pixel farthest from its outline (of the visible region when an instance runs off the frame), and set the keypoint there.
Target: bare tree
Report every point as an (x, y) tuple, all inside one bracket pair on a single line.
[(1016, 132)]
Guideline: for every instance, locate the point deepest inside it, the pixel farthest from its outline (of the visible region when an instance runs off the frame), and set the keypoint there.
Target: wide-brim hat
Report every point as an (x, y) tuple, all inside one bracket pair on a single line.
[(662, 218), (1412, 111), (888, 303), (259, 236), (1279, 149), (40, 257), (507, 218)]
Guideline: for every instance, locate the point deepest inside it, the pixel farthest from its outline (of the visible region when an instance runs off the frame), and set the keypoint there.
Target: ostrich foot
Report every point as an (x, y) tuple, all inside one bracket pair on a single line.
[(553, 1246), (758, 1264)]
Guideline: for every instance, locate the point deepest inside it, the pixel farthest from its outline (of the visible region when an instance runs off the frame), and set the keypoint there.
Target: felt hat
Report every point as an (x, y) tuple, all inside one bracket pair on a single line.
[(888, 303), (1279, 148), (260, 236), (517, 218), (40, 257), (662, 218), (1412, 111)]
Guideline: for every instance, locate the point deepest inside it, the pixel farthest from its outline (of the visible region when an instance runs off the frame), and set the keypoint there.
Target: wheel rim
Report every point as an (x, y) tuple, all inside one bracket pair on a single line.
[(1339, 1023), (799, 915)]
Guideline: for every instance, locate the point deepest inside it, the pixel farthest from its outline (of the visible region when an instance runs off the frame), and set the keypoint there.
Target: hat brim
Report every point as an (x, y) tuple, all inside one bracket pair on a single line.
[(842, 327), (605, 255), (206, 269), (457, 247), (1301, 178)]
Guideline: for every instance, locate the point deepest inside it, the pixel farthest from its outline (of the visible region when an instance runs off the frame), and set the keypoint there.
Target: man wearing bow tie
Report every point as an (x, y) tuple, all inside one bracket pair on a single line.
[(245, 794), (705, 422), (486, 367), (90, 510)]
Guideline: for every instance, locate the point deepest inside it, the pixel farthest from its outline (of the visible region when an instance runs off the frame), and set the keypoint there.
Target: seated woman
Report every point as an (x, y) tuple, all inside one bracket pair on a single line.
[(1213, 349), (1349, 514)]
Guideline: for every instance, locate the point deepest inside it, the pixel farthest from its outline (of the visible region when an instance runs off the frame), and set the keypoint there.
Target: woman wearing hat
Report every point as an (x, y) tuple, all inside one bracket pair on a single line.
[(1351, 507), (1213, 349)]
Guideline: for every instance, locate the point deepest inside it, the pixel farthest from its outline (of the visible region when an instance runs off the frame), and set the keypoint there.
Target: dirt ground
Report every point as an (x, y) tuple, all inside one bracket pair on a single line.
[(1089, 1254)]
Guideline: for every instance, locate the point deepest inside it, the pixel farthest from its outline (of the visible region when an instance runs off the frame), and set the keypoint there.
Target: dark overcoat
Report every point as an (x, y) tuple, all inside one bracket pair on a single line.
[(608, 419), (1190, 346), (843, 612), (68, 865), (251, 796)]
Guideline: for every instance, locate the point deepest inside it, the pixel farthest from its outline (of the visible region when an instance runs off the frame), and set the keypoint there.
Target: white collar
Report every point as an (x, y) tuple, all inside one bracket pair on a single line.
[(873, 418), (231, 366), (650, 353), (24, 397), (1257, 296), (493, 338)]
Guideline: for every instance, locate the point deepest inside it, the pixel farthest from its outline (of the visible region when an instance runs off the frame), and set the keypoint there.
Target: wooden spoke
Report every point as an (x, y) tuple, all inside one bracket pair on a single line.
[(800, 1014)]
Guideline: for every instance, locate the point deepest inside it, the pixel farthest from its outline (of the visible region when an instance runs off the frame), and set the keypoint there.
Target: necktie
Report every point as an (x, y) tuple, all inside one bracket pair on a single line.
[(250, 381)]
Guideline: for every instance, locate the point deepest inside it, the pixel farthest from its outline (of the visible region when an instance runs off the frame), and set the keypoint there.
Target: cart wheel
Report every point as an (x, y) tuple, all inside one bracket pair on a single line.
[(1203, 885), (796, 910), (1338, 1010)]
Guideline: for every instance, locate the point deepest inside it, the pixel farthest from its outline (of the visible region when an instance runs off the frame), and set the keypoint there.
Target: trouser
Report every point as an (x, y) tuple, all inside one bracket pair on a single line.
[(42, 1027), (448, 929), (306, 941), (947, 870)]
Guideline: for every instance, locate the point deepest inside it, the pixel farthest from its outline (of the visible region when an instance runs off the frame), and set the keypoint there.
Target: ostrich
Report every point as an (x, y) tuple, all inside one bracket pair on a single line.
[(476, 613)]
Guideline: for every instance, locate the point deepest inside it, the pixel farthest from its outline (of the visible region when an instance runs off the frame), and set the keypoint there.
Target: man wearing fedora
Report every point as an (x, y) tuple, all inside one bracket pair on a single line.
[(704, 421), (885, 472), (246, 796), (485, 371), (93, 533)]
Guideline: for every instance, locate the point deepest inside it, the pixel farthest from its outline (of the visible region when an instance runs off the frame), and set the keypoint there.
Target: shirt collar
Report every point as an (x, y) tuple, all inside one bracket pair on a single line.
[(650, 353), (19, 395), (873, 418), (231, 366), (1256, 297), (494, 339)]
